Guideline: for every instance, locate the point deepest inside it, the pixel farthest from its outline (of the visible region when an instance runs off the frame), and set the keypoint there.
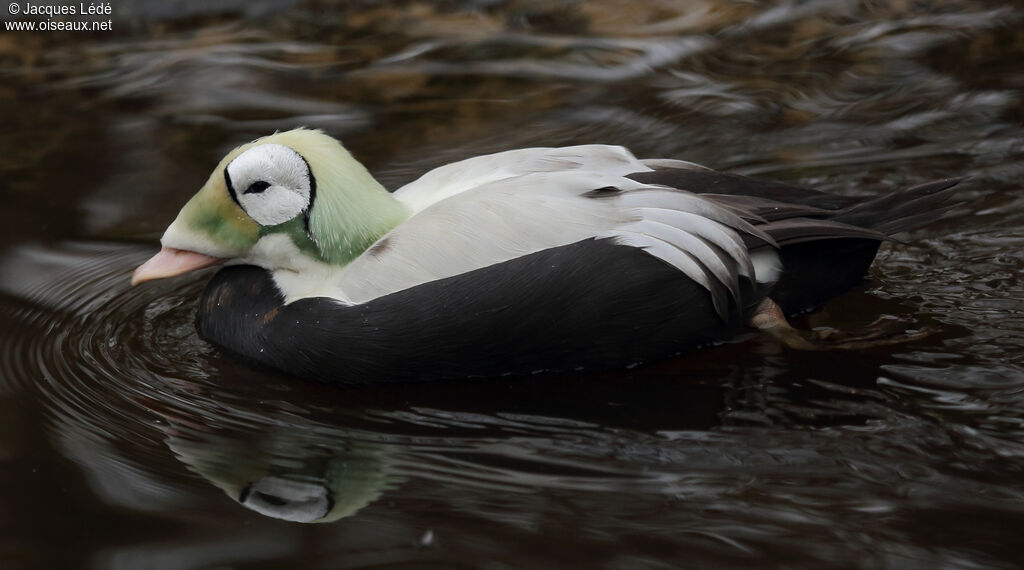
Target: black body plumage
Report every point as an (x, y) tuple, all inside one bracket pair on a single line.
[(591, 305)]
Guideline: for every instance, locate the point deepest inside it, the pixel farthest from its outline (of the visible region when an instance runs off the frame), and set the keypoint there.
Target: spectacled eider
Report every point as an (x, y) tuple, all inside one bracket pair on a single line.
[(538, 259)]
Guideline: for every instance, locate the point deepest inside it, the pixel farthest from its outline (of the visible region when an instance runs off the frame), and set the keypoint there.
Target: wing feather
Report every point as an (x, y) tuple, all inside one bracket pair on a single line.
[(651, 197), (709, 230), (677, 258), (724, 270)]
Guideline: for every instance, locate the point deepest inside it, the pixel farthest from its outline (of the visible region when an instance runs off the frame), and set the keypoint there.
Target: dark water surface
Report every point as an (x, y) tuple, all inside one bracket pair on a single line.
[(125, 440)]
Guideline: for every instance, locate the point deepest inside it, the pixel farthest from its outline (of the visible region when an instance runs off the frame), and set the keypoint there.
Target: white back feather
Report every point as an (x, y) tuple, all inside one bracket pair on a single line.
[(451, 179)]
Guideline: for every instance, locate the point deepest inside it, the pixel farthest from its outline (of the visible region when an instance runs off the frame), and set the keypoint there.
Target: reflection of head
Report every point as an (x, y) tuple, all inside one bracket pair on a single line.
[(286, 499), (299, 484)]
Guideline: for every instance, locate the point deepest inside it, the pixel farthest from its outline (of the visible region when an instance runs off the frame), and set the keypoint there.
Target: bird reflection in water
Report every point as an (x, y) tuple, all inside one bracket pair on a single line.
[(284, 475), (329, 462)]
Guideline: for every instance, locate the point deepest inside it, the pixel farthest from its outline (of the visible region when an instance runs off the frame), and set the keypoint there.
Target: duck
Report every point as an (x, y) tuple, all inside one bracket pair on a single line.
[(547, 259)]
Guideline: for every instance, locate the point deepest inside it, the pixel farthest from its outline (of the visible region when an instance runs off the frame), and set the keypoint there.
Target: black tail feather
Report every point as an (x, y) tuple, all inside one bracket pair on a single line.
[(902, 211)]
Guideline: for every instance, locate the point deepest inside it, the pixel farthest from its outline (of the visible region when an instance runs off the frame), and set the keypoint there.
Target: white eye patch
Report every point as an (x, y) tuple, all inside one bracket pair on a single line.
[(271, 182)]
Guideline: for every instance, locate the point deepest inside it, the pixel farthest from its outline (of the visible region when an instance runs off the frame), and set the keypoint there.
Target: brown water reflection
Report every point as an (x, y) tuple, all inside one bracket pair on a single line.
[(128, 442)]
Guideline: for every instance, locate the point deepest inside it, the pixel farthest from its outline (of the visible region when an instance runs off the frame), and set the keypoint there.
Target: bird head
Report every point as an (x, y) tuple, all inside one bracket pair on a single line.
[(280, 202)]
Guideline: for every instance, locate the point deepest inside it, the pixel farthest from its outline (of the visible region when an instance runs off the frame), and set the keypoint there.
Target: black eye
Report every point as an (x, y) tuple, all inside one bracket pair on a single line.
[(257, 187)]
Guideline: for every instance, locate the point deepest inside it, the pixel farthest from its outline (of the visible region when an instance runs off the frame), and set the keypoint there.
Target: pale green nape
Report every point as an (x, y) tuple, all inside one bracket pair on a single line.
[(351, 210)]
